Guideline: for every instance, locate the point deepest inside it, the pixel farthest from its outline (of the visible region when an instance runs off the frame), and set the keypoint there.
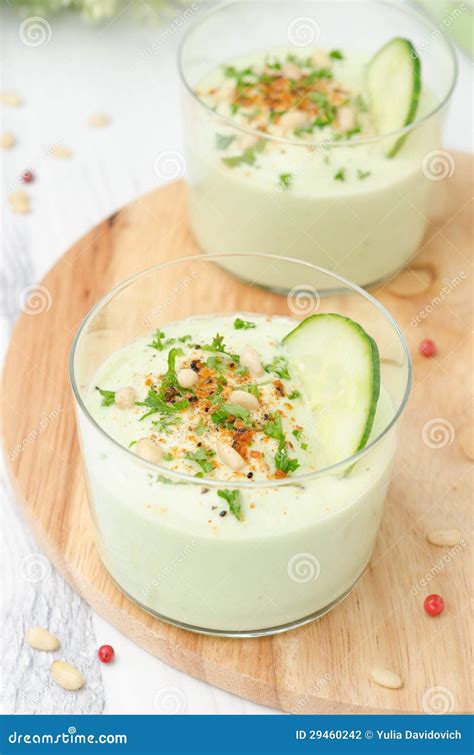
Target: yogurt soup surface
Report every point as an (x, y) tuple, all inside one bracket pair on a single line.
[(256, 186), (220, 558)]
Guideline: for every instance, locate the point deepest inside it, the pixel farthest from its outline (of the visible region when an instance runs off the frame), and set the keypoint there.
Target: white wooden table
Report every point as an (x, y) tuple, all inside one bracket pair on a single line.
[(79, 71)]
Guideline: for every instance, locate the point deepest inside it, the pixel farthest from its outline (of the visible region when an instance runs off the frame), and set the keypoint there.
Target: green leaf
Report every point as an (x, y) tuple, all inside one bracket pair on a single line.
[(253, 389), (222, 414), (283, 462), (160, 341), (202, 457), (243, 324), (336, 55), (233, 499), (340, 175), (200, 428), (246, 158), (223, 141), (361, 174), (274, 428), (294, 394), (280, 367), (108, 397), (285, 180)]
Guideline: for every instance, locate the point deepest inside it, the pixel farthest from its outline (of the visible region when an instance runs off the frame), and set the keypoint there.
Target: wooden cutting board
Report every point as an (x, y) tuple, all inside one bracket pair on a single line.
[(323, 667)]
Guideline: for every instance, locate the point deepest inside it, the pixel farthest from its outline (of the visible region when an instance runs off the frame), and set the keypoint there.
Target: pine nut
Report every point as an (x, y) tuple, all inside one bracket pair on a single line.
[(444, 537), (125, 397), (66, 675), (250, 359), (99, 120), (385, 678), (149, 450), (229, 455), (245, 399), (7, 140), (187, 377), (40, 639)]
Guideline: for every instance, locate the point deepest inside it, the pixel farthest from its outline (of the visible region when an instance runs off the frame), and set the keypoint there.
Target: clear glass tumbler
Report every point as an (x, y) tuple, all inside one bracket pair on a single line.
[(348, 207), (306, 539)]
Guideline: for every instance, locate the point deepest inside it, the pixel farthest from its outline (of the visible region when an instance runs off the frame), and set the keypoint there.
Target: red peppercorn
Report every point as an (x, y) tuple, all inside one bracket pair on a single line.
[(433, 605), (106, 653), (27, 176), (427, 347)]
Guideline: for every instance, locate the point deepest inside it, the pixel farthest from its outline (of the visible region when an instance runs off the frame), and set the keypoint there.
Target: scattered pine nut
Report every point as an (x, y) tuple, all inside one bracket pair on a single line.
[(66, 675), (125, 397), (245, 399), (444, 537), (187, 378), (7, 140), (229, 456), (149, 450), (19, 202), (60, 152), (99, 120), (40, 639), (250, 359), (385, 678), (11, 98)]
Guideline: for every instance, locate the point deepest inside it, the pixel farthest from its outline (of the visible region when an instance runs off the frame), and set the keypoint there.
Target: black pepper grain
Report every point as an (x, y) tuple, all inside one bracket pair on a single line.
[(222, 513)]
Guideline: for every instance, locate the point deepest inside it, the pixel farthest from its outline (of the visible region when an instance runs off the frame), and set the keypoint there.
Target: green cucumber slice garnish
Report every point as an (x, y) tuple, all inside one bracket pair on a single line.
[(338, 365), (394, 85)]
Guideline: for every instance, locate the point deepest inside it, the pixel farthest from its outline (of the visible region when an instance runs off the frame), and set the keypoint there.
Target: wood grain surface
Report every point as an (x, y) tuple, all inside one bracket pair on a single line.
[(323, 667)]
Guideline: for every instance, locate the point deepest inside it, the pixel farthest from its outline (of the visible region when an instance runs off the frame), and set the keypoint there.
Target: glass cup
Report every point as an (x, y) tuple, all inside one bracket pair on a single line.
[(344, 205), (306, 539)]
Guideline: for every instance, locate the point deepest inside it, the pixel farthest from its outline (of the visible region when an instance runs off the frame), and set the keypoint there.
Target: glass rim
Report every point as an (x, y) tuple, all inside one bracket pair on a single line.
[(239, 484), (325, 143)]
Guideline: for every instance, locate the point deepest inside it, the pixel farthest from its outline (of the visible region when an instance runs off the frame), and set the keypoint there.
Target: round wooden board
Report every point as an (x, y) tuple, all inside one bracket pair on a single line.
[(323, 667)]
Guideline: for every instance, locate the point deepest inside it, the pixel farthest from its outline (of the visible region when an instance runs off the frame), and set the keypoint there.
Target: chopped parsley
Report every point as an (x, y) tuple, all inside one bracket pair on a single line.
[(160, 341), (156, 403), (108, 397), (253, 389), (218, 346), (200, 428), (221, 415), (297, 433), (223, 141), (294, 394), (169, 379), (248, 156), (280, 367), (233, 499), (167, 456), (285, 180), (283, 462), (340, 175), (164, 424), (274, 428), (216, 363), (202, 457), (361, 174), (243, 324), (336, 55)]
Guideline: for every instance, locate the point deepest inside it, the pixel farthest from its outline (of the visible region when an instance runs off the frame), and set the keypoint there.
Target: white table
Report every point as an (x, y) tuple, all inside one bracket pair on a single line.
[(80, 71)]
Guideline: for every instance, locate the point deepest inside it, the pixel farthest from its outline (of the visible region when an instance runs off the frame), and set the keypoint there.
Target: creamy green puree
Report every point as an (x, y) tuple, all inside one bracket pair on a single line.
[(197, 550), (286, 167)]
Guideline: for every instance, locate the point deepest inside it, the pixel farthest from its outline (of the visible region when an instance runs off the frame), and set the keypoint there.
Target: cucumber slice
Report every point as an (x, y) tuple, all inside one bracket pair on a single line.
[(338, 365), (394, 85)]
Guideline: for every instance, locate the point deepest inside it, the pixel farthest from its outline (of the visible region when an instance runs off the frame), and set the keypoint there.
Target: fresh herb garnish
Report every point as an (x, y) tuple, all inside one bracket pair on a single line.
[(160, 341), (169, 379), (297, 433), (200, 428), (216, 363), (294, 394), (184, 339), (108, 397), (280, 367), (218, 346), (164, 424), (274, 428), (233, 499), (361, 174), (223, 141), (285, 180), (253, 389), (336, 55), (283, 462), (221, 415), (248, 156), (156, 403), (167, 456), (243, 324), (202, 457), (340, 175)]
